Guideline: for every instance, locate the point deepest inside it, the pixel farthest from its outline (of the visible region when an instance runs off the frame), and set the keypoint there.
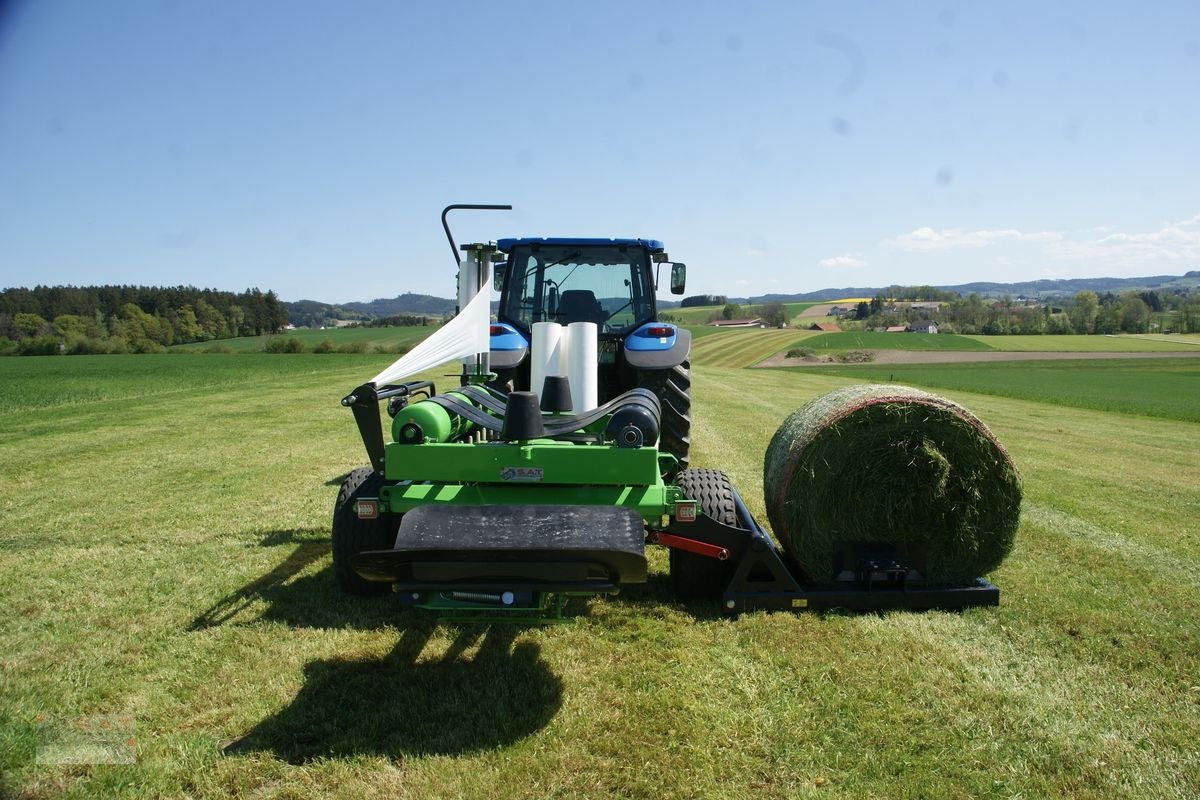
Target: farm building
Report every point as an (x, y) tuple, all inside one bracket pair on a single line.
[(896, 329), (923, 326), (828, 327), (740, 323)]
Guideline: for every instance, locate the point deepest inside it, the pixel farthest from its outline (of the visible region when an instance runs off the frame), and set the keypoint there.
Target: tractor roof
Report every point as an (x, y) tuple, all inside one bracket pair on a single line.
[(507, 245)]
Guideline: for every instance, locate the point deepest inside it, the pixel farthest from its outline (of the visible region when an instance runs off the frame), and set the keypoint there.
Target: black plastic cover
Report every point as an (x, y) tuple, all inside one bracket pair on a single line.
[(528, 543)]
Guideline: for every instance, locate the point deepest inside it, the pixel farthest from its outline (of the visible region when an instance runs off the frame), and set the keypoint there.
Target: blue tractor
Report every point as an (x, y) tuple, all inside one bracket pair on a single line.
[(608, 282)]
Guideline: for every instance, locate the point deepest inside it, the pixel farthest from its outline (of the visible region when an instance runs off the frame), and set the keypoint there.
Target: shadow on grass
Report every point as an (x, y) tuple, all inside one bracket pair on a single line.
[(302, 601), (314, 601), (337, 480), (402, 704)]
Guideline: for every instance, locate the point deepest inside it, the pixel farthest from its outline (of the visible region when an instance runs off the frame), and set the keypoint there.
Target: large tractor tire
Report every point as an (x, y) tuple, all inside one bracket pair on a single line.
[(673, 387), (352, 535), (695, 577)]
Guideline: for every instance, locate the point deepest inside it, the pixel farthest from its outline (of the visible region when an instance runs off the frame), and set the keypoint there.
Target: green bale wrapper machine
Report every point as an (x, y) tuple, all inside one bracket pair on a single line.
[(563, 453)]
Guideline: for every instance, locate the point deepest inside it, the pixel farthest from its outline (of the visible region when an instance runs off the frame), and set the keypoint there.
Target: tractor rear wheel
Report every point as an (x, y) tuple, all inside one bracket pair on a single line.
[(694, 576), (352, 535), (673, 387)]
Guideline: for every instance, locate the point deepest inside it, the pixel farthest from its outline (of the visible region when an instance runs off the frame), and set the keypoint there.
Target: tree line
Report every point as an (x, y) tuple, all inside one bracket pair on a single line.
[(47, 320), (1086, 312)]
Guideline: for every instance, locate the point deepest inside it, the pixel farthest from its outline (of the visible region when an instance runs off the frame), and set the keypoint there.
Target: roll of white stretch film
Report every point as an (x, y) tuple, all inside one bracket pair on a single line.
[(582, 363), (546, 353)]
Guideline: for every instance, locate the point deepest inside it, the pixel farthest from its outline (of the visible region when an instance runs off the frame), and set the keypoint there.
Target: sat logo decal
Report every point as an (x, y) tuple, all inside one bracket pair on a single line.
[(521, 474)]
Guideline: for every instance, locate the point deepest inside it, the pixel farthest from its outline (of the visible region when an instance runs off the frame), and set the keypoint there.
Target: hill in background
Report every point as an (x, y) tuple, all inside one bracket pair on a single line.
[(1035, 289), (314, 314)]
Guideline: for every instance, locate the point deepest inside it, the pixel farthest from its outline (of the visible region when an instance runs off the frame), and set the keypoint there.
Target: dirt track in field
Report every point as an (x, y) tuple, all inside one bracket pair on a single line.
[(958, 357), (821, 310)]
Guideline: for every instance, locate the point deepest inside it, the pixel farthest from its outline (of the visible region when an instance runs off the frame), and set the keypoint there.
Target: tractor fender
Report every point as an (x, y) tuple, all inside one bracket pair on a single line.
[(645, 351), (508, 346)]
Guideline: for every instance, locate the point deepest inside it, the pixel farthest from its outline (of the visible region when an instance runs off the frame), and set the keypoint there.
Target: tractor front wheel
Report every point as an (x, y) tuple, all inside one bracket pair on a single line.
[(693, 576), (673, 387), (353, 535)]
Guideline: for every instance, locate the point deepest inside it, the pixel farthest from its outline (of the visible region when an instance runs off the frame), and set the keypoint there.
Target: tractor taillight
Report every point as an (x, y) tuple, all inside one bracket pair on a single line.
[(660, 331), (367, 509), (497, 330)]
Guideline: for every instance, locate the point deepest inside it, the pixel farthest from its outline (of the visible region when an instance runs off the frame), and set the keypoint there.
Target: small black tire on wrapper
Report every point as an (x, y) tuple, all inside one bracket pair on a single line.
[(892, 464), (693, 576), (352, 535)]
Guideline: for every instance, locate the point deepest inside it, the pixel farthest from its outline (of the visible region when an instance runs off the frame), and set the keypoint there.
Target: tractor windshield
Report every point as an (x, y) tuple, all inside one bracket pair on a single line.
[(608, 285)]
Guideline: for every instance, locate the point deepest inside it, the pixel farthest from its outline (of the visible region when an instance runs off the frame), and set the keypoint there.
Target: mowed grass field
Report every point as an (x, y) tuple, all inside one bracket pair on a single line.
[(743, 348), (388, 338), (1124, 343), (1151, 387), (874, 340), (164, 546)]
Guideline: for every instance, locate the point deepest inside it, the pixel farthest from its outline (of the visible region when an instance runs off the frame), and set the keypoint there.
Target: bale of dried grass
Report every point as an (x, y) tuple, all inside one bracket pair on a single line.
[(894, 464)]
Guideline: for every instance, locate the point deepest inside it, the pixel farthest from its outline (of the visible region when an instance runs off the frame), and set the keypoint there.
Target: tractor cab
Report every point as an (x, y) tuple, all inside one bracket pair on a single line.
[(609, 282), (605, 281)]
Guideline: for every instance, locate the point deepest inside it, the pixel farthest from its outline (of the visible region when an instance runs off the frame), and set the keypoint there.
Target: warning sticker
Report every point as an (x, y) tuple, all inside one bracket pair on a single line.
[(527, 474)]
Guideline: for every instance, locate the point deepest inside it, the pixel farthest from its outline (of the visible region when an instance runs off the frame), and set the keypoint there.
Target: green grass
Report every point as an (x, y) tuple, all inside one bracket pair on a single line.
[(874, 340), (1167, 388), (1089, 344), (165, 551), (371, 337)]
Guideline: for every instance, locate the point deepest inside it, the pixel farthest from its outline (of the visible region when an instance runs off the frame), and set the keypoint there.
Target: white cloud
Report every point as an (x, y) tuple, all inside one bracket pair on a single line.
[(1174, 242), (926, 239), (846, 261), (1184, 223)]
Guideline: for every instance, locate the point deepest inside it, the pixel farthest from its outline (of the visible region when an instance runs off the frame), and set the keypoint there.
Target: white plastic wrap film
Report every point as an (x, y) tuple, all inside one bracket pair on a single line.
[(465, 335), (582, 362), (546, 353)]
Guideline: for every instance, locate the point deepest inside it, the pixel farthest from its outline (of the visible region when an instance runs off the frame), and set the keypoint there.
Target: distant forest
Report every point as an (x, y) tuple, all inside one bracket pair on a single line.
[(47, 320)]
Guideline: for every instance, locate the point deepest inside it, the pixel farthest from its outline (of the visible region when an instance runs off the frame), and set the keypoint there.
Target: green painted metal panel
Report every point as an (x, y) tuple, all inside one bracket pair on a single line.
[(541, 461), (651, 502)]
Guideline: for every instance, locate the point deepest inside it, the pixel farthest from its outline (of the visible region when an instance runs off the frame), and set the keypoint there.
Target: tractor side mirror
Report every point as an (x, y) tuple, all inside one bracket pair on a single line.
[(498, 269), (678, 278)]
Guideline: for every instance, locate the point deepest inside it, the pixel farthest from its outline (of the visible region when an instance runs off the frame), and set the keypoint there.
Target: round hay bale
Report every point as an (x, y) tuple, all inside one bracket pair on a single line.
[(892, 464)]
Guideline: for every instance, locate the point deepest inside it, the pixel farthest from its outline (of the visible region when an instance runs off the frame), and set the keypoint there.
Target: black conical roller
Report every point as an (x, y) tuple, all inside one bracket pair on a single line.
[(522, 418), (556, 394)]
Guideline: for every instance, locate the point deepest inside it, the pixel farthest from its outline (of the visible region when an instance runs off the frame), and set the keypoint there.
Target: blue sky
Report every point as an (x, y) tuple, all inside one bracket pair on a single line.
[(308, 147)]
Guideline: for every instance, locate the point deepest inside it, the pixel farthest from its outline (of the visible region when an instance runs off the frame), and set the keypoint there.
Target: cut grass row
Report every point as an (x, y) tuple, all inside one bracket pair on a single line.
[(165, 549), (745, 348), (699, 315), (741, 348), (875, 340)]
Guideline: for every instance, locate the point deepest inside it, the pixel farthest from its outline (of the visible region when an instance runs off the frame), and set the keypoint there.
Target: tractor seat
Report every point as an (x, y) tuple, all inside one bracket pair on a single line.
[(580, 305)]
